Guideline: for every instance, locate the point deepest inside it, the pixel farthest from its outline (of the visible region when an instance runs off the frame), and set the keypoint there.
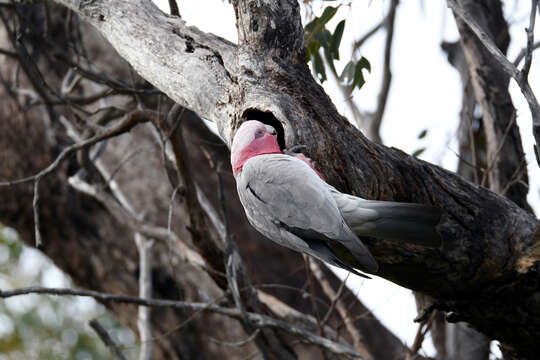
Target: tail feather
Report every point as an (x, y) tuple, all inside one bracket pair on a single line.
[(402, 222)]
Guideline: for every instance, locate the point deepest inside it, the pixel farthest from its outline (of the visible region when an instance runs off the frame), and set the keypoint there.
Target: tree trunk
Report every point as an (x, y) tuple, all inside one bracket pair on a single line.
[(485, 271), (99, 252)]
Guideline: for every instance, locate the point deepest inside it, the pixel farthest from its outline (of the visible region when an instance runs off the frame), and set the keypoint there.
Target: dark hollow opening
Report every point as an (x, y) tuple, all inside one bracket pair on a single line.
[(267, 118)]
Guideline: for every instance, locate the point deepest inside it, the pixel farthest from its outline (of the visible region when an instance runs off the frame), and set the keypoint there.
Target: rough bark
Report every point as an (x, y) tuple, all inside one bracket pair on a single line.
[(486, 270), (99, 252), (459, 341), (506, 166)]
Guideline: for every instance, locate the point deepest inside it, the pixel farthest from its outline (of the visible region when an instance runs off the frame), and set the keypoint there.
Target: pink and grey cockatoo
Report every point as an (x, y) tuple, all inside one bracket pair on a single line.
[(289, 202)]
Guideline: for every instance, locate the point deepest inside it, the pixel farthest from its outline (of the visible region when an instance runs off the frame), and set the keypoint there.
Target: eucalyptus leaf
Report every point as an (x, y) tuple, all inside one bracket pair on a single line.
[(318, 66), (364, 63), (418, 152), (347, 76), (358, 76), (324, 37), (336, 39), (328, 14)]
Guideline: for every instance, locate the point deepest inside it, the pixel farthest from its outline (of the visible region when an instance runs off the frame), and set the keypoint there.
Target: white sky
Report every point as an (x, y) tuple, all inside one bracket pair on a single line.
[(425, 94)]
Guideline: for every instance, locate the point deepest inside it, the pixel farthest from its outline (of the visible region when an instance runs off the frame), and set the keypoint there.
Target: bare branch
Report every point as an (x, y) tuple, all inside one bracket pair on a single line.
[(238, 343), (107, 340), (523, 52), (423, 329), (9, 53), (129, 122), (341, 308), (510, 69), (144, 321), (382, 98), (530, 40), (125, 125), (335, 297), (358, 43), (486, 40), (258, 320), (126, 218)]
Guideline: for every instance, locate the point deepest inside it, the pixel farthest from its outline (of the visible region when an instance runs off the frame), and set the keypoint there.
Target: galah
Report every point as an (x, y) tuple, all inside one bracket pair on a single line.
[(289, 202)]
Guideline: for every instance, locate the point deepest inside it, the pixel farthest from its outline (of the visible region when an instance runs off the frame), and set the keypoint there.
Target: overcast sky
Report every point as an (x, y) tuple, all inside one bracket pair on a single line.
[(425, 94)]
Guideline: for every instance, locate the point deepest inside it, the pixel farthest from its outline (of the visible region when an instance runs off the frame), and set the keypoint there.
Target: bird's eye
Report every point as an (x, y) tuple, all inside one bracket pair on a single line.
[(259, 133)]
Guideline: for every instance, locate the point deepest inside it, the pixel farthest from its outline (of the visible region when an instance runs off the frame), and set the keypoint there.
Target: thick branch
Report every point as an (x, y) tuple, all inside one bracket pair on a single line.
[(271, 28), (521, 77), (505, 167), (193, 68), (488, 250)]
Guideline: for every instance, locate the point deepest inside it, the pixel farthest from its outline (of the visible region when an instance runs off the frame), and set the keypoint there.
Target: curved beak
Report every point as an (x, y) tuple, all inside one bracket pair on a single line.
[(270, 130)]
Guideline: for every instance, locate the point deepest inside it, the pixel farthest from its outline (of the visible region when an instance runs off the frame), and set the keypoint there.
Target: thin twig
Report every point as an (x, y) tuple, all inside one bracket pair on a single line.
[(358, 43), (516, 177), (341, 308), (311, 284), (233, 262), (9, 53), (493, 160), (129, 122), (508, 67), (530, 40), (236, 274), (423, 329), (124, 217), (485, 39), (107, 340), (237, 343), (335, 299), (125, 125), (523, 52), (35, 208), (144, 320), (258, 320), (382, 98)]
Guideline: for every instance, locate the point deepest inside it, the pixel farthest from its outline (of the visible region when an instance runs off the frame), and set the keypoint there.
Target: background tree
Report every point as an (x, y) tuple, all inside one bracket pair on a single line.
[(164, 191)]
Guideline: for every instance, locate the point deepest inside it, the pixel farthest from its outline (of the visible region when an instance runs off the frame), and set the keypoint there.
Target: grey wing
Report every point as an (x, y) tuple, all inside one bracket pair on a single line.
[(403, 222), (295, 208)]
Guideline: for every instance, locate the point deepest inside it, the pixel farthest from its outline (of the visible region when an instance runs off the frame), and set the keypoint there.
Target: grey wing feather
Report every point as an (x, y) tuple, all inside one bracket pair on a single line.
[(402, 222), (287, 202)]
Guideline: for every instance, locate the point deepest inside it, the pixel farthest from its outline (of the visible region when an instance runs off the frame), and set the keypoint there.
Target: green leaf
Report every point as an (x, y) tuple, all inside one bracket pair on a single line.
[(318, 66), (330, 61), (315, 25), (358, 76), (312, 48), (324, 38), (422, 134), (328, 14), (336, 39), (347, 76), (365, 64), (418, 152), (310, 26), (359, 80)]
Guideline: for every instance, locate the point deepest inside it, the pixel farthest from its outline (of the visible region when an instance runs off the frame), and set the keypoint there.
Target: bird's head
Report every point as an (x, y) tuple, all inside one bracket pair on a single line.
[(252, 138)]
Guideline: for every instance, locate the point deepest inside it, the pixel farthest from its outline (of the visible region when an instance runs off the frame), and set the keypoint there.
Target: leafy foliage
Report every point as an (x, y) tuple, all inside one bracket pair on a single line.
[(318, 37)]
